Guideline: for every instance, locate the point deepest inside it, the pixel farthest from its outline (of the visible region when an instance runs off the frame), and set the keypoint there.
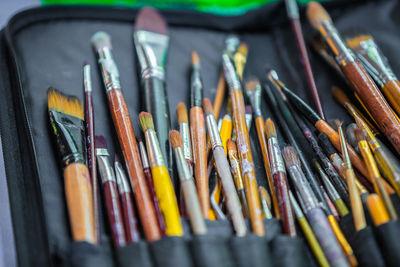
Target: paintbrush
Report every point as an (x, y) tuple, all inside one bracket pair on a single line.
[(374, 172), (237, 175), (280, 182), (308, 233), (188, 186), (355, 199), (110, 192), (377, 210), (265, 202), (66, 118), (181, 113), (198, 135), (248, 116), (123, 126), (376, 64), (356, 75), (243, 143), (161, 179), (316, 217), (91, 157), (240, 58), (253, 92), (149, 181), (127, 208), (293, 14), (151, 42), (222, 166)]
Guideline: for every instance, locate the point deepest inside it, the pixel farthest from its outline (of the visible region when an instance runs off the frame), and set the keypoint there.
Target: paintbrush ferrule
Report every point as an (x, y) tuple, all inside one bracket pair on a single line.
[(196, 86), (275, 158), (186, 142), (143, 155), (109, 69), (292, 10), (296, 208), (231, 76), (87, 81), (105, 167), (183, 168), (122, 180), (155, 155), (345, 152), (231, 43), (213, 132), (255, 100)]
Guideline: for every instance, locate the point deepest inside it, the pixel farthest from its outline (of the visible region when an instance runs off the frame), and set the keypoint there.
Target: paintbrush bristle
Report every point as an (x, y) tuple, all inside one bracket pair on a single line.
[(270, 128), (175, 139), (290, 156), (64, 103), (195, 57), (149, 19), (207, 106), (146, 121), (252, 84), (100, 40), (242, 49), (265, 195), (181, 113), (227, 117), (231, 145), (355, 41), (360, 134), (100, 141), (316, 14)]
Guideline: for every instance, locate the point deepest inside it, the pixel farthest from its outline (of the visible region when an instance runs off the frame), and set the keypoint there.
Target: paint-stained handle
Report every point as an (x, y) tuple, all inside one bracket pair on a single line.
[(373, 99), (79, 196), (391, 90), (167, 201), (193, 207), (129, 218), (126, 136), (198, 134)]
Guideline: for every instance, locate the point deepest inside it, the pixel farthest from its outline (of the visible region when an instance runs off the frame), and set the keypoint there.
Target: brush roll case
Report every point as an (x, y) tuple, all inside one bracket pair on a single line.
[(387, 235), (47, 46)]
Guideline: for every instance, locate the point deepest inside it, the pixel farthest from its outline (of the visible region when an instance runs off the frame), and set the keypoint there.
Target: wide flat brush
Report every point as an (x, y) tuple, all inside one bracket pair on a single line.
[(123, 126), (151, 42), (356, 75), (66, 118)]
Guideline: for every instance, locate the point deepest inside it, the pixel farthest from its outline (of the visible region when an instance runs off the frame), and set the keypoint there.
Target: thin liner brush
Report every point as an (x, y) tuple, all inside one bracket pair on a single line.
[(240, 58), (293, 14), (222, 166), (198, 135), (188, 186), (161, 179), (280, 181), (253, 92), (243, 144), (91, 156), (123, 126), (184, 132), (265, 202)]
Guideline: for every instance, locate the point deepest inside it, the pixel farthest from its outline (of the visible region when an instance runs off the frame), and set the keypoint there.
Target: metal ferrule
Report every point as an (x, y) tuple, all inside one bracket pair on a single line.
[(186, 142), (109, 69), (182, 166), (151, 49), (105, 168), (196, 87), (87, 81), (330, 189), (213, 132), (231, 76), (295, 205), (343, 55), (231, 43), (303, 187), (292, 9), (255, 100), (153, 149), (275, 156), (143, 155), (122, 180), (249, 118), (377, 65), (343, 146)]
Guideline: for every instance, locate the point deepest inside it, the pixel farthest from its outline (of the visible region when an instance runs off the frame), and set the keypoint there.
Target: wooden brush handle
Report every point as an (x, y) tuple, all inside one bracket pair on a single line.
[(127, 141), (264, 149), (192, 206), (129, 218), (391, 90), (198, 134), (369, 93), (78, 192), (355, 201), (219, 96)]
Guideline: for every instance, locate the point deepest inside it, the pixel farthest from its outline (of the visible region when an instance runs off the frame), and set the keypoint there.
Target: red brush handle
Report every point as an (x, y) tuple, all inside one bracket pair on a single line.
[(114, 215), (129, 218)]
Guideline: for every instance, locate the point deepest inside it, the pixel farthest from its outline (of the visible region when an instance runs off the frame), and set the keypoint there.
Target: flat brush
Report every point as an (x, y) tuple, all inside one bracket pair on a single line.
[(161, 179), (66, 118), (110, 192), (151, 43), (265, 202), (376, 64), (253, 92), (293, 14), (127, 208), (123, 126), (188, 186), (280, 181), (184, 132), (356, 75), (198, 135), (243, 143), (91, 156), (240, 58)]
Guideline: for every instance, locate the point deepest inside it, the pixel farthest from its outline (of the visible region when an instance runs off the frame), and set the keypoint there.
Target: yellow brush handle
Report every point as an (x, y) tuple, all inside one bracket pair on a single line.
[(341, 207), (167, 200)]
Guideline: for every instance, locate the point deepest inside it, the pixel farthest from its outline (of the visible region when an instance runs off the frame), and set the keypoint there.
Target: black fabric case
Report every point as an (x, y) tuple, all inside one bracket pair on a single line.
[(46, 46)]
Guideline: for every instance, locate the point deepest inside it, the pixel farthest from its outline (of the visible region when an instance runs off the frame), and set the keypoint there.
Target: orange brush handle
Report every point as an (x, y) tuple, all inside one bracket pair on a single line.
[(373, 99), (247, 164), (219, 96), (259, 121), (198, 134), (127, 141), (78, 192), (391, 90)]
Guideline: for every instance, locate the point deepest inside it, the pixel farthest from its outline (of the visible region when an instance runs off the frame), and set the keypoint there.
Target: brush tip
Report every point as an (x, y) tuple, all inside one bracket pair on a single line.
[(270, 128), (227, 117), (252, 84), (149, 19), (100, 142), (64, 103), (175, 139), (181, 112), (146, 121), (265, 195), (354, 40), (360, 134), (242, 49), (230, 144), (316, 14), (208, 109), (195, 57), (290, 156), (100, 40)]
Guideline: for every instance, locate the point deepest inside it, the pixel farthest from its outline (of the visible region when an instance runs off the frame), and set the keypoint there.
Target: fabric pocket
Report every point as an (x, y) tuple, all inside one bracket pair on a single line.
[(83, 254), (134, 254), (250, 250), (387, 236), (289, 251), (171, 251)]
